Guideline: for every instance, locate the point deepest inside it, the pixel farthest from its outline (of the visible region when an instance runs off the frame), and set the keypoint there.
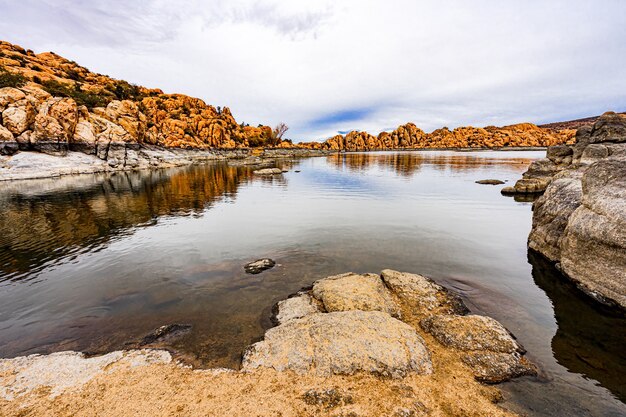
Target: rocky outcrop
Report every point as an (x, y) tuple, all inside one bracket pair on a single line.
[(540, 172), (56, 105), (357, 361), (409, 136), (580, 221), (353, 323)]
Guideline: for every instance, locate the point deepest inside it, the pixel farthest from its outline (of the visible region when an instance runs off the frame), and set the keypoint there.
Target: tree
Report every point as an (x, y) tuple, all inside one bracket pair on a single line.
[(278, 132)]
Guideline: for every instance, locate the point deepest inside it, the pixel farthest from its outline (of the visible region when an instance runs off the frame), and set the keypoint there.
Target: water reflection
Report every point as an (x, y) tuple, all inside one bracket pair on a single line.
[(45, 220), (410, 163), (589, 340), (94, 263)]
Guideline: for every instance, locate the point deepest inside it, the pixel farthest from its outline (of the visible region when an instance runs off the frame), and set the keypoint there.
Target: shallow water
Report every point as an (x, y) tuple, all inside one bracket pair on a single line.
[(94, 263)]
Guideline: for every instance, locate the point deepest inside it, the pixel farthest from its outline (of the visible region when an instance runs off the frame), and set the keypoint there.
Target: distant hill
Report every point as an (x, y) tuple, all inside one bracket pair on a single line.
[(572, 124)]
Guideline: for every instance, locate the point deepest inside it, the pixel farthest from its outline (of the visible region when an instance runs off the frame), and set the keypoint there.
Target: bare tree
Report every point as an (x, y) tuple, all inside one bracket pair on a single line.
[(279, 131)]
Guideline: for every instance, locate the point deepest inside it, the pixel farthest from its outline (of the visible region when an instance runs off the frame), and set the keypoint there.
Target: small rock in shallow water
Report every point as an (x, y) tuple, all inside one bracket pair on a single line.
[(490, 182), (259, 266), (165, 333), (268, 171)]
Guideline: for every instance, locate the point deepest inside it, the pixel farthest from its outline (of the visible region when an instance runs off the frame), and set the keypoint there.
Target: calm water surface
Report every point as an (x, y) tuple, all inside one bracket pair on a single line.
[(94, 263)]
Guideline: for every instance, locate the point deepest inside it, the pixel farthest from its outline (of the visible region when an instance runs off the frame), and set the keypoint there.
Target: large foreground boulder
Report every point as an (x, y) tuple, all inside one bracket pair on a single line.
[(580, 221), (344, 324), (342, 343), (593, 249)]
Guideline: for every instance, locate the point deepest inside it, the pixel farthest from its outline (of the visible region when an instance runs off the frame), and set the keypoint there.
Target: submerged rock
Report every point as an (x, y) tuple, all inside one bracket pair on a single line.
[(259, 266), (166, 333), (342, 342)]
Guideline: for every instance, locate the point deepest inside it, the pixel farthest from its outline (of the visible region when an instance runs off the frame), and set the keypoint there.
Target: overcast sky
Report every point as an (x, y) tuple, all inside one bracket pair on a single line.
[(328, 66)]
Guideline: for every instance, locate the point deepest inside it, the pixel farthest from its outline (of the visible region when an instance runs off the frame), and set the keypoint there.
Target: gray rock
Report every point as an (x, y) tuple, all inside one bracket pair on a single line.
[(295, 308), (610, 127), (580, 221), (593, 248), (259, 266), (343, 342), (508, 190), (593, 153), (557, 153), (63, 371), (552, 211)]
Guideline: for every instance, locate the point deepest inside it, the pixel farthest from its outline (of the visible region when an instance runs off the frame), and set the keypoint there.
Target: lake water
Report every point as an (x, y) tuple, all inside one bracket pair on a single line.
[(94, 263)]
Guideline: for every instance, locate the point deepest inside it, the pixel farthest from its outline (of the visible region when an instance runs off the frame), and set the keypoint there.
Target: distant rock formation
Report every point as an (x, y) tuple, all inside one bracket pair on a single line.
[(580, 220), (572, 124), (409, 136), (52, 105)]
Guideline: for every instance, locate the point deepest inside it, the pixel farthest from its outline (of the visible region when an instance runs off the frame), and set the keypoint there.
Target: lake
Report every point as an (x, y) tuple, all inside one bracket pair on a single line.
[(94, 263)]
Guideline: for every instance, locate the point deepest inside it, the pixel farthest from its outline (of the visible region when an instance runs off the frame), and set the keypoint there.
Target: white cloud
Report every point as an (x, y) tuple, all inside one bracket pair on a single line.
[(434, 63)]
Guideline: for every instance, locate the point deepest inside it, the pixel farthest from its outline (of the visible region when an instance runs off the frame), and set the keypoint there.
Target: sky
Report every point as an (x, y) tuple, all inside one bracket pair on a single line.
[(329, 66)]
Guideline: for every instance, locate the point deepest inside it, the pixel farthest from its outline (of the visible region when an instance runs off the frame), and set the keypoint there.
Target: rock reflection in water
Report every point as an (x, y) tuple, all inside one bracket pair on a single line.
[(589, 340), (44, 220), (410, 163)]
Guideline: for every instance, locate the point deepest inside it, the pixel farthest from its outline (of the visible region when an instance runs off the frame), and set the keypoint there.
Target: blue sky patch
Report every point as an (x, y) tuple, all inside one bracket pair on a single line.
[(349, 115)]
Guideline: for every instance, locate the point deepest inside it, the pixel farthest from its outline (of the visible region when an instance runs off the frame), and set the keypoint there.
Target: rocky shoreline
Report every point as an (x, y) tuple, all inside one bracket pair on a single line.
[(72, 160), (133, 157), (579, 222), (392, 344)]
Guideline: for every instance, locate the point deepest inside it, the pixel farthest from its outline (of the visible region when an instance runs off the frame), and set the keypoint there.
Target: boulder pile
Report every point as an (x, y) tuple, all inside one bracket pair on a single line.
[(379, 324)]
